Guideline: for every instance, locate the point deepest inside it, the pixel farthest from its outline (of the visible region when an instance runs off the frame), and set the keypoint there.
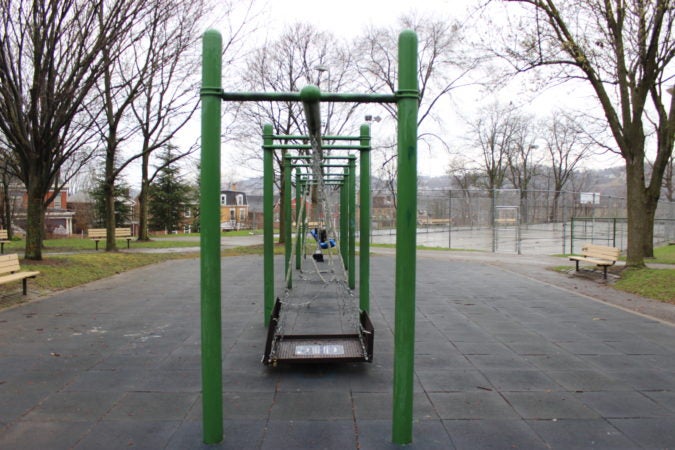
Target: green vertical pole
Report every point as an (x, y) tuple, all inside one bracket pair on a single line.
[(268, 222), (211, 345), (406, 222), (287, 220), (364, 220), (351, 274), (298, 219), (344, 235)]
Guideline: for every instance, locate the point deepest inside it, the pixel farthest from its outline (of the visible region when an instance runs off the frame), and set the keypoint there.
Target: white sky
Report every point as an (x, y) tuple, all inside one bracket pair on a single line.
[(348, 18)]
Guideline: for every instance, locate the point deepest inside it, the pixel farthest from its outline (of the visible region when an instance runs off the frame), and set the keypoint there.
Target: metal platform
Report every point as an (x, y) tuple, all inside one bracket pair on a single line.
[(318, 348)]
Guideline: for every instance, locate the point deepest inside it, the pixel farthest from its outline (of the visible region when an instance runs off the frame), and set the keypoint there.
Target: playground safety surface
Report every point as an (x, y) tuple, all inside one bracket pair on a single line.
[(504, 359)]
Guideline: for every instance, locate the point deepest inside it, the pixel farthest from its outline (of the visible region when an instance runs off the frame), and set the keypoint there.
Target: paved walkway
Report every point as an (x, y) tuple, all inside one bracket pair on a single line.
[(504, 360)]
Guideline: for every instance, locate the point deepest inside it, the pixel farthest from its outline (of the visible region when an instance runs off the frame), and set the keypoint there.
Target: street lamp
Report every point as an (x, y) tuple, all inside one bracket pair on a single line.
[(321, 69)]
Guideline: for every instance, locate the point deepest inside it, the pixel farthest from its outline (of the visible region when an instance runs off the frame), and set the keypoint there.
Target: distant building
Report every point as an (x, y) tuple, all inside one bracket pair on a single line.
[(233, 210), (58, 219)]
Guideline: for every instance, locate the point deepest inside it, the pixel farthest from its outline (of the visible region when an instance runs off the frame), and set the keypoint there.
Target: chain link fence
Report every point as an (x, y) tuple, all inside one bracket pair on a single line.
[(514, 221)]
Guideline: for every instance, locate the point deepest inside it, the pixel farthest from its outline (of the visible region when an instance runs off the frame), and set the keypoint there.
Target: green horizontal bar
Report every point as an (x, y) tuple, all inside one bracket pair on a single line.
[(295, 97), (290, 137), (309, 147), (322, 165), (325, 157)]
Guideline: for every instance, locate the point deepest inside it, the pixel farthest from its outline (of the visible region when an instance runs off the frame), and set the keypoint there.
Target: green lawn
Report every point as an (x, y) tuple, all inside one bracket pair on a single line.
[(653, 283), (77, 244), (664, 255)]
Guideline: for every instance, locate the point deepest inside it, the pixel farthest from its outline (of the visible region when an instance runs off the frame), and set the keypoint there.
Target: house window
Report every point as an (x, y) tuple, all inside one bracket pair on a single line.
[(242, 215), (187, 212), (232, 216), (240, 199), (223, 199), (57, 201)]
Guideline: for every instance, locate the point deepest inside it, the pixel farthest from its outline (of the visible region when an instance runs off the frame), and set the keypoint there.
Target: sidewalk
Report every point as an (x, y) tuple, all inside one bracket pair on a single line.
[(505, 358)]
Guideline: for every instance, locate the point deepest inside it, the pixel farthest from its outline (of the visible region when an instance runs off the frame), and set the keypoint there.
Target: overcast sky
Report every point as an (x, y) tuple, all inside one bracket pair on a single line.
[(348, 18)]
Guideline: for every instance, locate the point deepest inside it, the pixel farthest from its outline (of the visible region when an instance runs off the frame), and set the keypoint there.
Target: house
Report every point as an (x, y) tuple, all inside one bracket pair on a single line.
[(233, 210), (58, 218)]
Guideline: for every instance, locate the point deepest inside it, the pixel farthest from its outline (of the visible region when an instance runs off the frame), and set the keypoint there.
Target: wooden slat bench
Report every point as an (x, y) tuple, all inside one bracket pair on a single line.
[(10, 270), (99, 234), (4, 239), (600, 255)]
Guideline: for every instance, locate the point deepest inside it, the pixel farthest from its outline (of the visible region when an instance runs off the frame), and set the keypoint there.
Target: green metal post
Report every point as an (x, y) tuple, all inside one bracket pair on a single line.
[(288, 221), (298, 220), (364, 220), (268, 223), (351, 274), (406, 222), (211, 345), (344, 220)]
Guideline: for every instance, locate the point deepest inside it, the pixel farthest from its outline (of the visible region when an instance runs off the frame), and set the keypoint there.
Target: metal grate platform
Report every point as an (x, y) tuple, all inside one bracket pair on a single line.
[(314, 348)]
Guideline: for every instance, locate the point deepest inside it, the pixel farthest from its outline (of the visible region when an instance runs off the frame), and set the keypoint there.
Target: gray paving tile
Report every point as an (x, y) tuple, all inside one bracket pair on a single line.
[(492, 434), (51, 435), (375, 405), (587, 380), (157, 406), (73, 406), (237, 435), (549, 405), (333, 405), (663, 398), (485, 362), (589, 347), (622, 404), (581, 434), (649, 433), (315, 434), (646, 379), (433, 380), (136, 434), (520, 380), (472, 405), (427, 434)]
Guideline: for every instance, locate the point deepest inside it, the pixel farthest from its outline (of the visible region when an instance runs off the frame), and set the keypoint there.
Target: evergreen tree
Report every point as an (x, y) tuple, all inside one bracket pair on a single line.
[(122, 202), (169, 194)]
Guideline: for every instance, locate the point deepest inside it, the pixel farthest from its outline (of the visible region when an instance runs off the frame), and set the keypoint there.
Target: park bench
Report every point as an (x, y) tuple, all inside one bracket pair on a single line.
[(98, 234), (10, 270), (4, 239), (600, 255)]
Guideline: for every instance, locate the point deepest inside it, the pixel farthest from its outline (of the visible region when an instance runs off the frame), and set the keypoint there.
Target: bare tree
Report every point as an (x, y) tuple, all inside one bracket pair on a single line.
[(300, 56), (494, 133), (523, 159), (442, 67), (51, 57), (566, 148), (624, 50)]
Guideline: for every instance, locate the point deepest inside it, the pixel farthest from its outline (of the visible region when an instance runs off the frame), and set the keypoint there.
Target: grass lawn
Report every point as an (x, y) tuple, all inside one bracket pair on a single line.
[(76, 244), (653, 283), (658, 284), (58, 272), (664, 255)]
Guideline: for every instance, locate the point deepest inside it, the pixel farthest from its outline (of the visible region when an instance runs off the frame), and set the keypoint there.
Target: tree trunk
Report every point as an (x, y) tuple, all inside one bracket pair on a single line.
[(553, 213), (143, 198), (636, 204), (143, 212), (109, 198), (650, 213), (35, 222), (7, 200)]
